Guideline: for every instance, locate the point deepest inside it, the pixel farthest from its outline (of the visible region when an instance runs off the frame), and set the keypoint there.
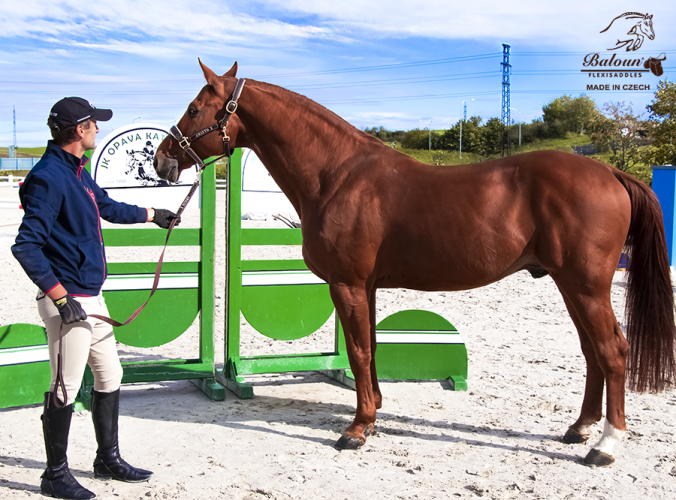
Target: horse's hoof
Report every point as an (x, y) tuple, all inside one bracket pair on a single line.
[(370, 430), (347, 442), (573, 436), (597, 458)]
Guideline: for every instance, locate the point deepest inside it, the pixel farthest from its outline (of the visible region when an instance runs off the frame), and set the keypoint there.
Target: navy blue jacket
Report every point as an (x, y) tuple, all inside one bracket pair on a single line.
[(60, 238)]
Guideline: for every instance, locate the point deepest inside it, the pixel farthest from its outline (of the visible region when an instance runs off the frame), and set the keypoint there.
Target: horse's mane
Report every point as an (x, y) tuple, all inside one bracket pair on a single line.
[(308, 105)]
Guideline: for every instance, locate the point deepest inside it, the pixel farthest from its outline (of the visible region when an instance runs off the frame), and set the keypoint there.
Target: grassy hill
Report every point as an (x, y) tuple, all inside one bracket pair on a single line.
[(21, 153), (24, 152), (641, 172), (453, 157)]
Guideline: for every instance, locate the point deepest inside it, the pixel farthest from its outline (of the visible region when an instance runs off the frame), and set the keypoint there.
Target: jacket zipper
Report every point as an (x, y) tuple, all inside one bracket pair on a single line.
[(90, 195)]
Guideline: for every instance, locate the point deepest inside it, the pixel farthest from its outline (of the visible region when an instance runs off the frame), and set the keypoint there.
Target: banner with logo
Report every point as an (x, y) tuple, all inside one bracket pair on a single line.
[(629, 58), (122, 164)]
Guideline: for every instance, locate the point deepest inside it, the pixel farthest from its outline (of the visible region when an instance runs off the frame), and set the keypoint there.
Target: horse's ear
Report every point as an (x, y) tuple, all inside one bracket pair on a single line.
[(232, 71), (210, 76)]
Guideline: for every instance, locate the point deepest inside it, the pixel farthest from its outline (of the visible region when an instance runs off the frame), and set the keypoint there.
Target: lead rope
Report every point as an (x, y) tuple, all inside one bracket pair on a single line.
[(59, 372)]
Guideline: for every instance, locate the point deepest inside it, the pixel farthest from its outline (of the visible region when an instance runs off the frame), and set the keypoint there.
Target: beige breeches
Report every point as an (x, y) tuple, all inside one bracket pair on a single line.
[(90, 342)]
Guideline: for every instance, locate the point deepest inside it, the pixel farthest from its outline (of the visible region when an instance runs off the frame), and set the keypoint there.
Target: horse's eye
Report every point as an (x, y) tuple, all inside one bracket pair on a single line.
[(192, 111)]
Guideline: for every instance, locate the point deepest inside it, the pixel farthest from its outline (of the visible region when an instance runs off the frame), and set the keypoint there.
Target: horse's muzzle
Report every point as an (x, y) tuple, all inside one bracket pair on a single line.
[(166, 168)]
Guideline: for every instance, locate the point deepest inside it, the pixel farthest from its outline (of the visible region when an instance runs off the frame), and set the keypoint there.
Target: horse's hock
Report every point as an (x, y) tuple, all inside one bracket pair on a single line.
[(280, 299)]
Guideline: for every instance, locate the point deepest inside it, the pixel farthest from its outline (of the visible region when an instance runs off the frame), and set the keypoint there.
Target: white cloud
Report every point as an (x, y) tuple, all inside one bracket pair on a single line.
[(573, 23), (170, 21), (116, 25)]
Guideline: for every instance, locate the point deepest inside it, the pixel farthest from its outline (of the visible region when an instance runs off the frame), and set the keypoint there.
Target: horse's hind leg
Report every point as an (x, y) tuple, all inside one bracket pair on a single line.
[(352, 307), (591, 303), (592, 403), (611, 353)]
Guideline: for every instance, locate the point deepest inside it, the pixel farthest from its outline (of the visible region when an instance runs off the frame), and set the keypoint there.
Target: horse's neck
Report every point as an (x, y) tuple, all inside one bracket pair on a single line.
[(302, 145)]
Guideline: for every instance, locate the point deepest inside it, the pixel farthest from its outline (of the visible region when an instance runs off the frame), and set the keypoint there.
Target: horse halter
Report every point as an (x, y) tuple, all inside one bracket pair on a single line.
[(221, 125)]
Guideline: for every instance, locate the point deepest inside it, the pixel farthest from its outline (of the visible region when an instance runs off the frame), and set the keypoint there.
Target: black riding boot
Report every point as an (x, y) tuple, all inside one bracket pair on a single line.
[(108, 463), (57, 481)]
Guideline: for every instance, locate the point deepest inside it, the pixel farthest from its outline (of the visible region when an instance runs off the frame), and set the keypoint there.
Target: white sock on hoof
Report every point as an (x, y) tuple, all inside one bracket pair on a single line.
[(611, 436)]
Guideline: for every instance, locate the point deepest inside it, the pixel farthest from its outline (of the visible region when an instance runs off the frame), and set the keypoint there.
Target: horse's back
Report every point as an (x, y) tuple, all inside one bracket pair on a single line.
[(466, 226)]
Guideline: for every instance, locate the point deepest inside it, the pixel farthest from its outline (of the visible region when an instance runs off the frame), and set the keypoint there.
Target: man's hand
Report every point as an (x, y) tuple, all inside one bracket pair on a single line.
[(70, 310), (164, 217)]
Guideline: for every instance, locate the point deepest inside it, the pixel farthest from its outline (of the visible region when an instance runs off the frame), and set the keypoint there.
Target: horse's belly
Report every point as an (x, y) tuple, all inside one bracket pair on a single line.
[(459, 267)]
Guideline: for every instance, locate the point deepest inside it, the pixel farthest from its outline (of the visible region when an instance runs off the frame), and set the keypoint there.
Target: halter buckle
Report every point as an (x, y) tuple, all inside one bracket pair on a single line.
[(231, 107), (184, 143)]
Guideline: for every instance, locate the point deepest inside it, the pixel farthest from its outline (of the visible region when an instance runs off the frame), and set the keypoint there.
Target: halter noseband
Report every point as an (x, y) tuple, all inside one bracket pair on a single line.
[(221, 125)]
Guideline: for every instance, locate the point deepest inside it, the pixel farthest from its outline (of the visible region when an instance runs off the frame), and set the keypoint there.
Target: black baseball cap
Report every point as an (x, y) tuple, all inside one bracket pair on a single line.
[(71, 111)]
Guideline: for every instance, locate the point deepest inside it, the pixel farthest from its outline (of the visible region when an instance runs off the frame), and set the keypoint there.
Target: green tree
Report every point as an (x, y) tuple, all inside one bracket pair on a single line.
[(579, 113), (663, 112), (387, 136), (552, 115), (492, 137), (553, 110), (530, 132), (472, 137), (416, 139), (617, 129), (569, 114)]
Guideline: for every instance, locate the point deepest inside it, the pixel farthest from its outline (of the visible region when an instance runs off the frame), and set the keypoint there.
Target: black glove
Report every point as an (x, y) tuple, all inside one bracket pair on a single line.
[(70, 310), (164, 217)]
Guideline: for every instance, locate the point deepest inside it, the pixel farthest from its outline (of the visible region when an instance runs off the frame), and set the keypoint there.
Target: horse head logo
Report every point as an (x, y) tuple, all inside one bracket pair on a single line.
[(639, 30)]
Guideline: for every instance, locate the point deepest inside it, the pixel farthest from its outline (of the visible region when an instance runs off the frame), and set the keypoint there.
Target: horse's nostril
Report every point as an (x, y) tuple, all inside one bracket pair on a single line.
[(155, 163)]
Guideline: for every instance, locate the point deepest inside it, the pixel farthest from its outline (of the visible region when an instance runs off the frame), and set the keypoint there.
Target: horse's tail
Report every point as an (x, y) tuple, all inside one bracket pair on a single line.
[(649, 310)]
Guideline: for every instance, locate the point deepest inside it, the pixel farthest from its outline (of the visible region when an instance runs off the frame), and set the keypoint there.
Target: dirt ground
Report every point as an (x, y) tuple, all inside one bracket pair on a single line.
[(500, 439)]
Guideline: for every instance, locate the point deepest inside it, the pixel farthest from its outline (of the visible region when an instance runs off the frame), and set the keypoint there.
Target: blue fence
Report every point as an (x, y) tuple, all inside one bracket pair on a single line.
[(18, 163)]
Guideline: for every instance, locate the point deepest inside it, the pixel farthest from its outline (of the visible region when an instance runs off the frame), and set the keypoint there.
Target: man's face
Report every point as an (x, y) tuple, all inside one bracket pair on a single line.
[(89, 135)]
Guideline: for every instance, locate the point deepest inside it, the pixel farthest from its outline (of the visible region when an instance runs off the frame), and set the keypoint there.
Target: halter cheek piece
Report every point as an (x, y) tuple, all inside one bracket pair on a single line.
[(221, 125)]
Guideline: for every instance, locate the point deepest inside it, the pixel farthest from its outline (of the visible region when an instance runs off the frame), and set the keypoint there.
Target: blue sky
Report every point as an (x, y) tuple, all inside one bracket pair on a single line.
[(394, 63)]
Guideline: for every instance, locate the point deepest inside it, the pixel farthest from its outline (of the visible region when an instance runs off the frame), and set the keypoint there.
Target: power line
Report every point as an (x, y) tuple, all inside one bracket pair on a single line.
[(314, 73), (283, 75), (410, 98), (322, 86), (318, 86), (397, 81), (386, 66)]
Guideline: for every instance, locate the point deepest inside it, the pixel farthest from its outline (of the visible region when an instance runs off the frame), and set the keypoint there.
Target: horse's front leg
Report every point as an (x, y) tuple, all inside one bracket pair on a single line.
[(352, 307)]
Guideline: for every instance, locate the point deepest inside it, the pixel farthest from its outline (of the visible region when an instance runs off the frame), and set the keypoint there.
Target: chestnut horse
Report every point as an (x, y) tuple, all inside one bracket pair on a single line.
[(375, 218)]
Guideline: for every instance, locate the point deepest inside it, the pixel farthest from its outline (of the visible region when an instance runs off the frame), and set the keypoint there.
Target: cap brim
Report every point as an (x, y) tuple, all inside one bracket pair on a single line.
[(102, 115)]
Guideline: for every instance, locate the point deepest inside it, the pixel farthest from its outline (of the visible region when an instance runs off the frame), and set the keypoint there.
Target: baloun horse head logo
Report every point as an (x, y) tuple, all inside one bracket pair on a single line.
[(641, 27)]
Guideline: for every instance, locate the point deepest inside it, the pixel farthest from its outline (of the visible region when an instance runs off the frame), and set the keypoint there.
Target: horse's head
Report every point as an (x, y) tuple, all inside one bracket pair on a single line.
[(205, 110), (646, 27), (644, 24)]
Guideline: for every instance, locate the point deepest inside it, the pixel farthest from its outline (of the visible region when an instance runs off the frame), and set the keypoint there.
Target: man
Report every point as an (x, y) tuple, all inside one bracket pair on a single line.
[(60, 247)]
